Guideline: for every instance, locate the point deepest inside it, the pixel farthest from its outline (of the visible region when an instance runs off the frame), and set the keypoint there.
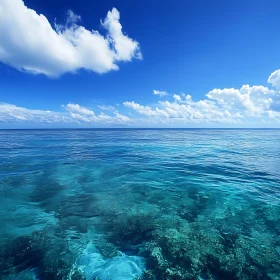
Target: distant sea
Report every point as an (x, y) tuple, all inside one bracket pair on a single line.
[(124, 204)]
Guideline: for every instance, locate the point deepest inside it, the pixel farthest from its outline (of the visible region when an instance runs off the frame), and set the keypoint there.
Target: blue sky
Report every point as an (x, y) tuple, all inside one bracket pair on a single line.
[(100, 63)]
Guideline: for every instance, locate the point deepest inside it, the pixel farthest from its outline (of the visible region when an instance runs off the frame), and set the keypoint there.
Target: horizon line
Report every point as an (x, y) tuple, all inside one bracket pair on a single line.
[(146, 128)]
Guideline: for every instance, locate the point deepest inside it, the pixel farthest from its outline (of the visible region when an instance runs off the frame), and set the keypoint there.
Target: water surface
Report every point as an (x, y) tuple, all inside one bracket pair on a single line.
[(140, 204)]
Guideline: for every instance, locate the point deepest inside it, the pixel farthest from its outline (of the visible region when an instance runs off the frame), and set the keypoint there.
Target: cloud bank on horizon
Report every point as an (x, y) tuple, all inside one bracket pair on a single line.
[(65, 48), (220, 106)]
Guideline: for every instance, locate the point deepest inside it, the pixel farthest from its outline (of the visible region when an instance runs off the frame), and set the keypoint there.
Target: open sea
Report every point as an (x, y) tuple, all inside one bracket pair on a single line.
[(127, 204)]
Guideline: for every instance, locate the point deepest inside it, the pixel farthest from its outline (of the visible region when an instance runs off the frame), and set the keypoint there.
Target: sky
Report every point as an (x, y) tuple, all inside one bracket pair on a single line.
[(183, 63)]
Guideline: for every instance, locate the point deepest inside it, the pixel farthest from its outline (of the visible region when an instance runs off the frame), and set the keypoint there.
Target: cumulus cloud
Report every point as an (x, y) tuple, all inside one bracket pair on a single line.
[(252, 101), (28, 42), (77, 109), (125, 48), (12, 114), (177, 97), (160, 93), (106, 107), (228, 105), (73, 114), (82, 114), (274, 79), (248, 104), (146, 110), (175, 113)]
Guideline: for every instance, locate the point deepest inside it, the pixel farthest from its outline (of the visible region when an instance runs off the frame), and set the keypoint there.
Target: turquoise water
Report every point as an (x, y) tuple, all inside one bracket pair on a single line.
[(140, 204)]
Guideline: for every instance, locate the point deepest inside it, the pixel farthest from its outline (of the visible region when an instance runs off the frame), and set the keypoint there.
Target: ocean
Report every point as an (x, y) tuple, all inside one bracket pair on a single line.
[(124, 204)]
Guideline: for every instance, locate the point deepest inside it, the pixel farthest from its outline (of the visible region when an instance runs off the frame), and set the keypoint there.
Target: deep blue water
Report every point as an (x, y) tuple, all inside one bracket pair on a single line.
[(150, 204)]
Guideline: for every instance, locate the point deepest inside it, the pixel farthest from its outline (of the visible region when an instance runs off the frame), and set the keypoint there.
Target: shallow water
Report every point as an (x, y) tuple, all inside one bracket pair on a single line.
[(154, 204)]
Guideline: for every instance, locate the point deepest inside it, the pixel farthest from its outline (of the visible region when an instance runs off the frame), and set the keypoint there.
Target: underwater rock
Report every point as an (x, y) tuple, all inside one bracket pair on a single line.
[(42, 251), (20, 254), (146, 275), (130, 230), (107, 250), (161, 268), (28, 274), (76, 274), (57, 261)]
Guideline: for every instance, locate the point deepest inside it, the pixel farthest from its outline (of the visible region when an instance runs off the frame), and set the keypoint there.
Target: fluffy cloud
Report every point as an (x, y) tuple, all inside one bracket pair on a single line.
[(12, 114), (274, 79), (29, 43), (160, 93), (82, 114), (228, 105), (146, 110), (106, 107), (73, 114), (257, 105), (177, 97), (77, 109), (252, 101), (125, 48)]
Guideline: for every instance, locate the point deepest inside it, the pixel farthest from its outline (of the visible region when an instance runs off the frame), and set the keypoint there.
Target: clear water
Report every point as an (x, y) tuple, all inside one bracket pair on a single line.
[(140, 204)]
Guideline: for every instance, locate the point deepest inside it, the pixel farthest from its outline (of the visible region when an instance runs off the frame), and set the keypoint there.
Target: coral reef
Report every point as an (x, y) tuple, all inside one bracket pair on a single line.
[(43, 251), (189, 240)]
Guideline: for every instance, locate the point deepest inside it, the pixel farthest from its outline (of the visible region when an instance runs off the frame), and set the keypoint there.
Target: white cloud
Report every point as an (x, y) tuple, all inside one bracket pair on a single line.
[(274, 115), (117, 119), (12, 114), (74, 114), (274, 79), (72, 18), (252, 101), (125, 48), (106, 107), (82, 114), (146, 110), (228, 105), (29, 43), (76, 108), (160, 93), (247, 105), (177, 97)]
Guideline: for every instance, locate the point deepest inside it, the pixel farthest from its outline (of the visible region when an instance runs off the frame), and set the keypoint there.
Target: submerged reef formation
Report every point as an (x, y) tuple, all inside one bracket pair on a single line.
[(42, 255), (186, 240), (199, 236)]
